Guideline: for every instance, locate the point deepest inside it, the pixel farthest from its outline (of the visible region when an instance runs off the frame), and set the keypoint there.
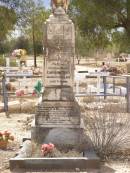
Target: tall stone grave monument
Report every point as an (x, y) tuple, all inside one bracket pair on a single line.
[(57, 119)]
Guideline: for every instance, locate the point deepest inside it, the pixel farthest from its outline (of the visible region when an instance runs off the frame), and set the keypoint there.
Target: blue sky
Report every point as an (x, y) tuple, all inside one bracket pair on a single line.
[(46, 3)]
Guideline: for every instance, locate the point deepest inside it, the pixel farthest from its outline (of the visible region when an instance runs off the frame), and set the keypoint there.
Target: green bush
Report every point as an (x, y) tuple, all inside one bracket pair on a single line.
[(13, 63), (2, 61)]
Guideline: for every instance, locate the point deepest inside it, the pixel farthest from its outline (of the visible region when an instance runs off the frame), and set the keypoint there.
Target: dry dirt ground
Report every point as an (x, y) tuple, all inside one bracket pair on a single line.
[(19, 125)]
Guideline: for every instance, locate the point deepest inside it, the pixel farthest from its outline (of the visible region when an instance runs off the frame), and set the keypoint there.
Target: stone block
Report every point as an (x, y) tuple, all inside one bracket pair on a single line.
[(55, 164), (58, 112), (61, 93)]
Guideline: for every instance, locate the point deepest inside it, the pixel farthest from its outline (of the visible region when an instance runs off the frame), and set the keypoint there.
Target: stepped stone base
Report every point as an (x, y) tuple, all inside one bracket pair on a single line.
[(25, 162), (54, 164), (58, 122), (67, 137)]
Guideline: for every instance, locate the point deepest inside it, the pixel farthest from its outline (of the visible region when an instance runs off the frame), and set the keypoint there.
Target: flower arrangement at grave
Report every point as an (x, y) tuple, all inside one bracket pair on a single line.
[(19, 53), (5, 138), (20, 93), (47, 149)]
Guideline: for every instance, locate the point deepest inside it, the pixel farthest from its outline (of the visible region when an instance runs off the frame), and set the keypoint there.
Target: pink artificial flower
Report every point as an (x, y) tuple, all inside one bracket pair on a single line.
[(47, 148)]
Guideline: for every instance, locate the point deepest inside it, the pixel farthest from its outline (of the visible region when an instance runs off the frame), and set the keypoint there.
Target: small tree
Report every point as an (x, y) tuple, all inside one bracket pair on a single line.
[(31, 19), (8, 17)]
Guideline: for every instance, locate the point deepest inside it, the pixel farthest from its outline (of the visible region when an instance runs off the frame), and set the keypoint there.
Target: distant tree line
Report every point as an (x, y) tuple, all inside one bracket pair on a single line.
[(101, 25), (28, 16)]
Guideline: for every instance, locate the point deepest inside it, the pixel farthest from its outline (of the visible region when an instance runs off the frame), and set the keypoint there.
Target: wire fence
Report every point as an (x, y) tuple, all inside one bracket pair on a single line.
[(106, 86)]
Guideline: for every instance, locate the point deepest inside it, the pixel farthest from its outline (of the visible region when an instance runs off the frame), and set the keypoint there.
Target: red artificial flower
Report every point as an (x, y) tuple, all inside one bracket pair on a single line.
[(11, 138), (47, 148), (6, 133)]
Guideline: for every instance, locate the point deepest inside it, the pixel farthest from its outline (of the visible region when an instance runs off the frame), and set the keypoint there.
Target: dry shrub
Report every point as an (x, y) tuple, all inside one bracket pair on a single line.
[(83, 84), (112, 100), (88, 99), (109, 133), (106, 106), (23, 106), (82, 109), (114, 107)]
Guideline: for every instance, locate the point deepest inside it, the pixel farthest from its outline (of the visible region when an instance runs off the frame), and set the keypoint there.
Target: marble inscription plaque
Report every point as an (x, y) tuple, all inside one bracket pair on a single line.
[(59, 62), (64, 113), (58, 72)]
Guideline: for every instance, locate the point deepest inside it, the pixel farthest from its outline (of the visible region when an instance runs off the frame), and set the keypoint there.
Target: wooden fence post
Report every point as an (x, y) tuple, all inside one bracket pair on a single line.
[(128, 94), (105, 86), (5, 95), (114, 81), (98, 84), (77, 86)]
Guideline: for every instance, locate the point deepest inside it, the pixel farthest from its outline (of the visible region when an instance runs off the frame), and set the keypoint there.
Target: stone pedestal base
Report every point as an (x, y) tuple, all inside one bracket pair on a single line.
[(62, 137), (59, 122)]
